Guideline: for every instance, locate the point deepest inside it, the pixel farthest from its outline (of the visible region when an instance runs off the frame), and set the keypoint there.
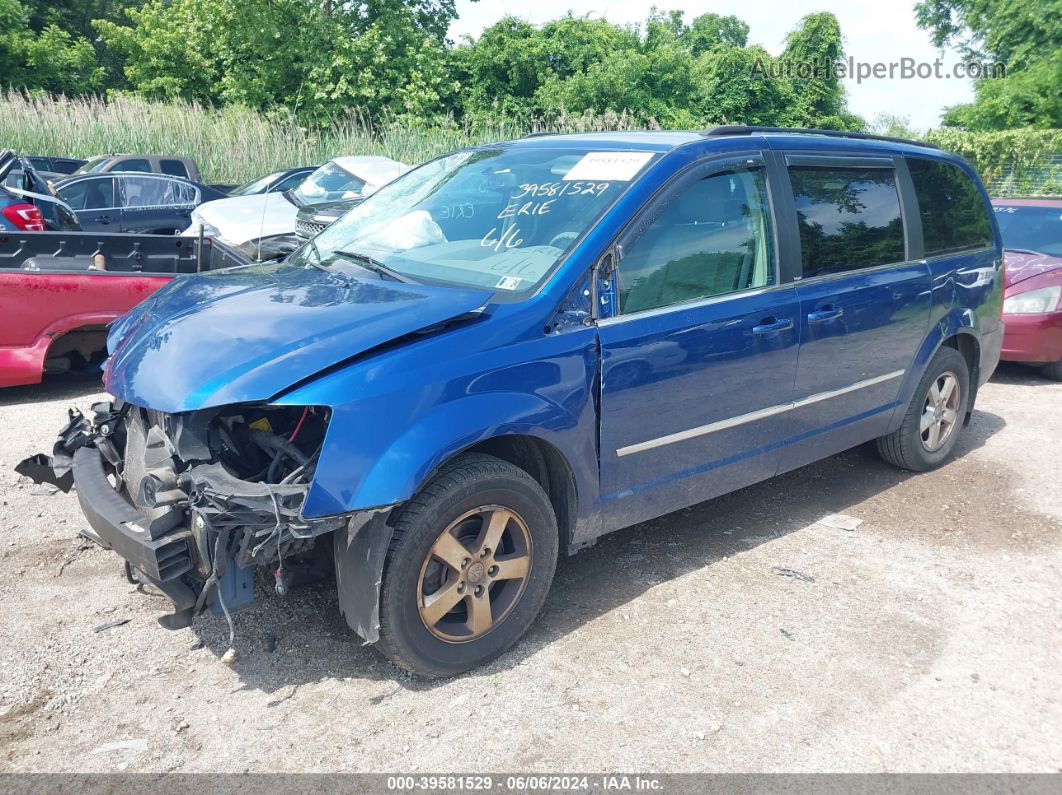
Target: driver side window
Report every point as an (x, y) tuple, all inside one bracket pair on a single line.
[(89, 194), (712, 238)]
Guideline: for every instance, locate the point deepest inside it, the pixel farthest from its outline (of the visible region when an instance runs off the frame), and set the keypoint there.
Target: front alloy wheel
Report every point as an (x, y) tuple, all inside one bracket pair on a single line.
[(475, 573), (468, 567)]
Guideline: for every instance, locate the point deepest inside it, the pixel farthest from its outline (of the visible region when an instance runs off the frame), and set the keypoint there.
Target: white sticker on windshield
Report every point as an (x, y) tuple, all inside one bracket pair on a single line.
[(509, 282), (608, 166)]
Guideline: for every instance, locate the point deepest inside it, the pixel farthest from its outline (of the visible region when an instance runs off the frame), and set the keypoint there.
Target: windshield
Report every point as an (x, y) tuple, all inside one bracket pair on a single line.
[(492, 218), (328, 183), (1031, 228), (93, 165), (255, 185)]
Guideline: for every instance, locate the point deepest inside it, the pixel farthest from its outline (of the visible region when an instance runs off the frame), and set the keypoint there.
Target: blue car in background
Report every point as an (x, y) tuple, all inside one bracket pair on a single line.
[(514, 349), (277, 182)]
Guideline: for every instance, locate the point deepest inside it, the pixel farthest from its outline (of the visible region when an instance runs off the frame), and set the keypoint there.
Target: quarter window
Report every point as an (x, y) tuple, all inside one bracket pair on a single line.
[(954, 217), (713, 238), (849, 218), (175, 168)]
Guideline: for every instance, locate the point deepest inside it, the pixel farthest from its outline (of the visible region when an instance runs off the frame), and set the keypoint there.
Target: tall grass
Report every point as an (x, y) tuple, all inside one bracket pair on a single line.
[(234, 144)]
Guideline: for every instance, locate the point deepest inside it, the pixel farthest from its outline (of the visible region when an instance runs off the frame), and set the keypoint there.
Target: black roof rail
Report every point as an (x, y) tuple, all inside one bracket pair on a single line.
[(745, 129), (540, 134)]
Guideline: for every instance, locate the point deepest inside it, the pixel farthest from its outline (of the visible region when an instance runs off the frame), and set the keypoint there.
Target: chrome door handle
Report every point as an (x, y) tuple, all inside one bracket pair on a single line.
[(824, 314), (772, 326)]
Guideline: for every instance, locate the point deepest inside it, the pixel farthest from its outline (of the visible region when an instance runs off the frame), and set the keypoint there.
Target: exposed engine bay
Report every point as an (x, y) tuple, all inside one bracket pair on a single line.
[(194, 501)]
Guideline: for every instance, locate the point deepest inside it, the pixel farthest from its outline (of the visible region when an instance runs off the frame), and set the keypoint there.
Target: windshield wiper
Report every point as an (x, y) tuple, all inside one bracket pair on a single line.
[(367, 262), (1023, 251)]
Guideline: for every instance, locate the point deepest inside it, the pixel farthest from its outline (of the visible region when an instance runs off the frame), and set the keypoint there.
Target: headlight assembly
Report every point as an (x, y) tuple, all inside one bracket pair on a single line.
[(1034, 302)]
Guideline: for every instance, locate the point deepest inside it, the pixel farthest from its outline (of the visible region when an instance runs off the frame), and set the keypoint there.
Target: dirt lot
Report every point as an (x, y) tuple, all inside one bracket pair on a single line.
[(738, 635)]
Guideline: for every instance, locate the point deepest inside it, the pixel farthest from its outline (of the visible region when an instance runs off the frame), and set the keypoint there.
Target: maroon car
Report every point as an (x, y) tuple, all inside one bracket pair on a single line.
[(1032, 308)]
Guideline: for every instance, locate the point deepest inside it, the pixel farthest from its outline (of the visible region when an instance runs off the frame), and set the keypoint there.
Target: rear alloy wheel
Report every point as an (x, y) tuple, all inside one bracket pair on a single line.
[(940, 414), (468, 567), (934, 417)]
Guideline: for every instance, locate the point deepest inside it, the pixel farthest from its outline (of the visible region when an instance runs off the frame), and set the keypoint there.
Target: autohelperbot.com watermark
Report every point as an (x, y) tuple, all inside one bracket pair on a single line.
[(904, 68)]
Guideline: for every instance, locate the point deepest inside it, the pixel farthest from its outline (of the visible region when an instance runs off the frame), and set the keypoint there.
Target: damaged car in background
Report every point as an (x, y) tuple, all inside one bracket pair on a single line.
[(514, 349), (264, 225)]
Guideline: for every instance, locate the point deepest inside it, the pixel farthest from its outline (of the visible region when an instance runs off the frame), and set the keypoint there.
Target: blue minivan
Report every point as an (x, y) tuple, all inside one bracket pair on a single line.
[(515, 348)]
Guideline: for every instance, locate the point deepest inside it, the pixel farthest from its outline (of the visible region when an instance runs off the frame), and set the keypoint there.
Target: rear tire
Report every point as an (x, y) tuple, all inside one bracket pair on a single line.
[(934, 418), (468, 568), (1052, 371)]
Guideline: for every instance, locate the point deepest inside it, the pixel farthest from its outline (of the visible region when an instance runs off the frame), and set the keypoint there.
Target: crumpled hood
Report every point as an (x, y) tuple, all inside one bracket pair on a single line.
[(330, 209), (246, 334), (242, 218), (1021, 266)]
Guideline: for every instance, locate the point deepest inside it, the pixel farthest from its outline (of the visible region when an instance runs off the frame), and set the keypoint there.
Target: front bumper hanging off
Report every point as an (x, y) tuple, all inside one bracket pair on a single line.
[(178, 517)]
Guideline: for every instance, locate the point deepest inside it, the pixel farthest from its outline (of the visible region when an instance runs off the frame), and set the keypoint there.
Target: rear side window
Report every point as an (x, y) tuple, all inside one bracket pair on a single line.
[(713, 238), (954, 217), (156, 192), (849, 218), (132, 165), (175, 168), (65, 166)]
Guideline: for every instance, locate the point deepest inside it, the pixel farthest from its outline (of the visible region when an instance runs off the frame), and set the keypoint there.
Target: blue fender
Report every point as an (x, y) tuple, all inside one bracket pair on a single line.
[(451, 428), (405, 444)]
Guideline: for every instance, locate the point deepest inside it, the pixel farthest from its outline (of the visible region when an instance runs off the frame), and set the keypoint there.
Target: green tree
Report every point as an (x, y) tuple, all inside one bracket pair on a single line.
[(501, 71), (49, 59), (168, 49), (1030, 97), (1017, 32), (812, 54), (1025, 36), (739, 85), (394, 67), (709, 31), (317, 57), (893, 125)]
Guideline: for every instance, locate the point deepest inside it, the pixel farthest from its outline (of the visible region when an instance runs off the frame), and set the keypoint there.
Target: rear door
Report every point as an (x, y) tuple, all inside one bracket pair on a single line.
[(865, 296), (155, 204), (698, 361)]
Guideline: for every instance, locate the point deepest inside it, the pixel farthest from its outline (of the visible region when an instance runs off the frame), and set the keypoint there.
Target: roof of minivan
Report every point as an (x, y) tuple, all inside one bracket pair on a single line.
[(663, 141)]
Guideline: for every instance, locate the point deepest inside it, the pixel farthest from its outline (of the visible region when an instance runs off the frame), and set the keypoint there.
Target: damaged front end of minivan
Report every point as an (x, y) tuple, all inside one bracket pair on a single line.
[(194, 501)]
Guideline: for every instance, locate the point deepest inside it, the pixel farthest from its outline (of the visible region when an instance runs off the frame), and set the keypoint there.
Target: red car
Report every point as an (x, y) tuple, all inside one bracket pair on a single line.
[(60, 290), (1032, 307)]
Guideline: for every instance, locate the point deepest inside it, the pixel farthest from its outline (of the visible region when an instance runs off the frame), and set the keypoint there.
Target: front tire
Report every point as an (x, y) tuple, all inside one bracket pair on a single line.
[(468, 568), (1052, 371), (934, 418)]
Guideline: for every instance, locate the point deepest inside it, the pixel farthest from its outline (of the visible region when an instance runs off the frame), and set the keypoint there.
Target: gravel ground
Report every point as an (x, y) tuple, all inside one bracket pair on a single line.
[(737, 635)]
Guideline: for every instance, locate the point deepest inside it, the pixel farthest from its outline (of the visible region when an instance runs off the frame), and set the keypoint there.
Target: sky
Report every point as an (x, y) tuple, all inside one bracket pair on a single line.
[(874, 31)]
